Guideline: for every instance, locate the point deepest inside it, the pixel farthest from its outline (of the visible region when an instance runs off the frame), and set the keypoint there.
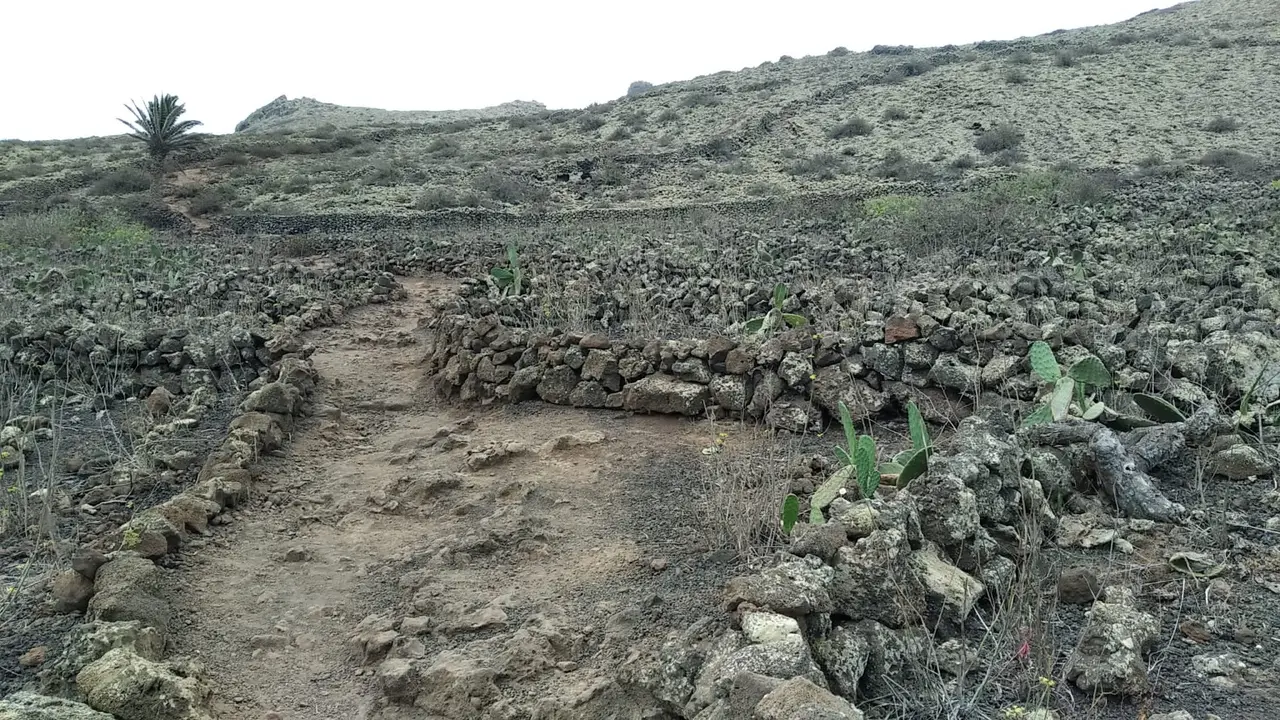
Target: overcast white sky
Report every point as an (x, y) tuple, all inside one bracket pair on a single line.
[(70, 65)]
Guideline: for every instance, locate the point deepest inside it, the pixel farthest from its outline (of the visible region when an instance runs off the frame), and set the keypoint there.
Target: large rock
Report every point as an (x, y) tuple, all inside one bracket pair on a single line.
[(732, 392), (1241, 462), (800, 699), (665, 394), (792, 587), (833, 385), (30, 706), (950, 592), (558, 384), (90, 641), (896, 659), (128, 588), (131, 687), (730, 657), (275, 397), (1240, 363), (1108, 657), (875, 579), (842, 653)]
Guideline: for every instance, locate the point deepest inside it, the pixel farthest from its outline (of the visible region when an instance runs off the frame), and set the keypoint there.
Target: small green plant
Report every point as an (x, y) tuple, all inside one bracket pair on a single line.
[(790, 512), (891, 206), (776, 317), (509, 279), (1158, 408), (914, 461), (1069, 388), (131, 538), (857, 458)]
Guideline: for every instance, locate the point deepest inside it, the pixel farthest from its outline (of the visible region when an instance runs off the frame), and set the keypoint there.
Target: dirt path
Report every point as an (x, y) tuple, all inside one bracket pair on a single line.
[(549, 563)]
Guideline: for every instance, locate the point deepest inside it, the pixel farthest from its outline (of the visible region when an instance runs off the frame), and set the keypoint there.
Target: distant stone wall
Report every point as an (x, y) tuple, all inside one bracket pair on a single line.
[(338, 223), (788, 380), (792, 379)]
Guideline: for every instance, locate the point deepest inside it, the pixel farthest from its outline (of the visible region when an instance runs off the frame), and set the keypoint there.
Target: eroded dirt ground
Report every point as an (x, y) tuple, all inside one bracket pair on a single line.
[(386, 503)]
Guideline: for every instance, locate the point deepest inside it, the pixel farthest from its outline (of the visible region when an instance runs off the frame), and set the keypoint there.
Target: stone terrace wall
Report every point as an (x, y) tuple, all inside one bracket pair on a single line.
[(790, 380)]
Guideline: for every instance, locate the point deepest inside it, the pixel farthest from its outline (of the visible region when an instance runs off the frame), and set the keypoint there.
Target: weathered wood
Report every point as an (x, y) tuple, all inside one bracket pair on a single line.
[(1133, 490), (1155, 446)]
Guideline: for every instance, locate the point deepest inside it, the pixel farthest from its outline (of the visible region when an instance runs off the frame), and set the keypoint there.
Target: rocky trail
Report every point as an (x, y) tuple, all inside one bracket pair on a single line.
[(521, 548)]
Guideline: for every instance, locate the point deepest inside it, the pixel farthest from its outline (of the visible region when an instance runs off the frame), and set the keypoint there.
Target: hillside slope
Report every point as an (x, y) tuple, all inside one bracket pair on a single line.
[(1195, 84)]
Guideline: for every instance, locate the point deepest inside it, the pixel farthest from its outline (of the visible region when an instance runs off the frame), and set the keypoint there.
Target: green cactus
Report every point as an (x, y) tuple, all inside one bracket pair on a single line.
[(919, 431), (1060, 400), (864, 461), (775, 318), (826, 492), (1043, 363), (510, 279), (1158, 408), (790, 512), (1091, 372), (916, 466)]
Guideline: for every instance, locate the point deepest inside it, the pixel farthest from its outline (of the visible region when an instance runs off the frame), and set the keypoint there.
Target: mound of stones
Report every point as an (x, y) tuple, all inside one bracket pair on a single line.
[(888, 604), (114, 663)]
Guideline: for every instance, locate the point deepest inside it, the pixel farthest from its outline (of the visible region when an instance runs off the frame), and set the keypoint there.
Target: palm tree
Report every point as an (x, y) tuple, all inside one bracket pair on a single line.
[(158, 126)]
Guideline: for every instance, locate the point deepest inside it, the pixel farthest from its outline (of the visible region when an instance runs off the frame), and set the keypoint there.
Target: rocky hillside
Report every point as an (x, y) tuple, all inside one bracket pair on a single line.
[(1191, 85), (285, 115)]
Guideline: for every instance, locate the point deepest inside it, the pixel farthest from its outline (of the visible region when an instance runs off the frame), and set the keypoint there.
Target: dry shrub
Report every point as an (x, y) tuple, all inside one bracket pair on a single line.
[(743, 484)]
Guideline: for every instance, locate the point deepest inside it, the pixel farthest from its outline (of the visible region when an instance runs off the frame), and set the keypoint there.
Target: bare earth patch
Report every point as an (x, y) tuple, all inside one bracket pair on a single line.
[(474, 526)]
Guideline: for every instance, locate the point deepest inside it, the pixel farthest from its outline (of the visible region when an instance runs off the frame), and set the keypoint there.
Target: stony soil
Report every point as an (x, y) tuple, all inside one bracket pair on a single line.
[(362, 515)]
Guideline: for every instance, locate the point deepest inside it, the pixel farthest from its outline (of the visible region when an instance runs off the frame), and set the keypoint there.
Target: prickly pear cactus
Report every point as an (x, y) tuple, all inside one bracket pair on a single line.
[(826, 492), (1043, 363), (1090, 371)]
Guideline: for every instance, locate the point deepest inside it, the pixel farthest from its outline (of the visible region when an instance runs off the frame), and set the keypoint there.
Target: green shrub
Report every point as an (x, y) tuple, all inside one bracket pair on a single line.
[(635, 119), (382, 173), (760, 85), (722, 147), (895, 165), (520, 122), (1222, 124), (838, 52), (1001, 137), (890, 206), (211, 199), (668, 115), (296, 185), (24, 170), (618, 133), (1066, 57), (821, 165), (443, 147), (53, 229), (1016, 76), (1232, 159), (120, 182), (853, 127), (509, 189), (700, 98), (265, 151), (1220, 42), (590, 122), (438, 198), (231, 158)]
